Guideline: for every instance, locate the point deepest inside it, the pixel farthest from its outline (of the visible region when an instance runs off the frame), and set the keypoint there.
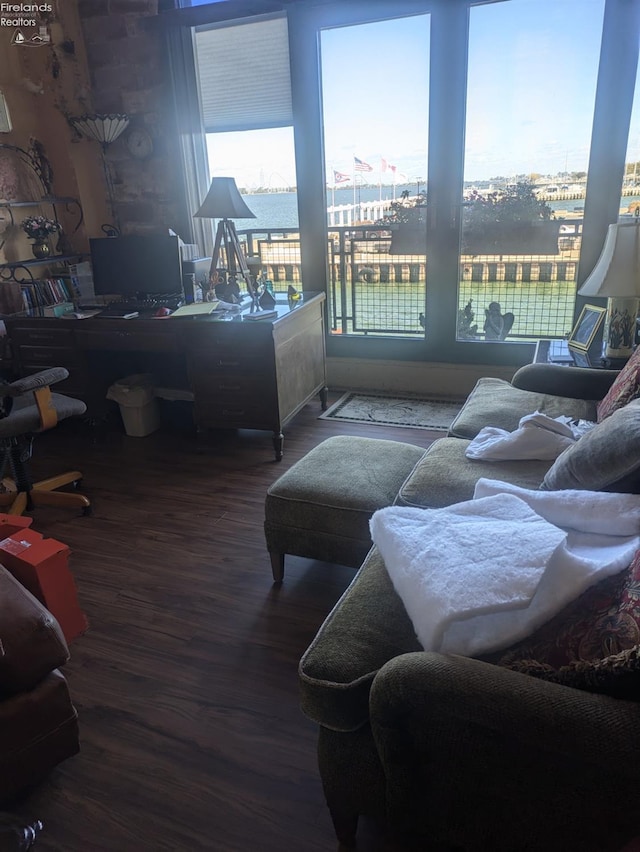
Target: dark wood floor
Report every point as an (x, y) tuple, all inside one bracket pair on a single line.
[(186, 683)]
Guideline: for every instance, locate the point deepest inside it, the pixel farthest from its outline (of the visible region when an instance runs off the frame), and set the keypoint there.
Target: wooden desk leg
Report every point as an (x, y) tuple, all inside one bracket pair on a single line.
[(278, 444), (324, 395)]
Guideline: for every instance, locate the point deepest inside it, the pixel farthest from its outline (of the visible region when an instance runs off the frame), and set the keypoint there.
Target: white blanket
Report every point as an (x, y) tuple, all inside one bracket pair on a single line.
[(537, 437), (478, 576)]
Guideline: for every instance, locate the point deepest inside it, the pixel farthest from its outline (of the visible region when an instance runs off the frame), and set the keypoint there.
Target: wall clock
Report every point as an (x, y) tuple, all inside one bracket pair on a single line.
[(139, 143)]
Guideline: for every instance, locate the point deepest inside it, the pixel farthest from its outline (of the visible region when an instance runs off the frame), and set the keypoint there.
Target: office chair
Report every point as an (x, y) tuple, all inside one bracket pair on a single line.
[(28, 406)]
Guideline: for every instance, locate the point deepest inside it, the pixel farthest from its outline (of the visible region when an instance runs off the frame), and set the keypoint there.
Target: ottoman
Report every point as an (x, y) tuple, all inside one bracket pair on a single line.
[(320, 508)]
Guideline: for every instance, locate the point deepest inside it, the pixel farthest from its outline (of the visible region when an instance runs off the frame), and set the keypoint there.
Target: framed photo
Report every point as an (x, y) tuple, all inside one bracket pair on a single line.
[(586, 328), (580, 358)]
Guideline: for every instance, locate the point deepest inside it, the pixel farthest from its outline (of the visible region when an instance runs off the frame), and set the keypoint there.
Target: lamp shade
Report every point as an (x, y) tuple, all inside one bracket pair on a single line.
[(224, 201), (101, 128), (617, 272)]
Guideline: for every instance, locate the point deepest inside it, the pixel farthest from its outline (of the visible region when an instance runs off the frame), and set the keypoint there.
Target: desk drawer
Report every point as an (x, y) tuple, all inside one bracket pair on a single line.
[(50, 356), (51, 335), (219, 386), (250, 414), (214, 370), (120, 339), (227, 346)]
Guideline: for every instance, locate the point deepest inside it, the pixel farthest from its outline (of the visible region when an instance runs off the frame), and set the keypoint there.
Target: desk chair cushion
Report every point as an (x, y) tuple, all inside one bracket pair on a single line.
[(42, 379), (25, 417)]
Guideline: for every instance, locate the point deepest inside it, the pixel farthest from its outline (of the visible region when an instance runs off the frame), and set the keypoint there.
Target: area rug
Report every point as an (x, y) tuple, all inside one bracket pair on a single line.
[(417, 412)]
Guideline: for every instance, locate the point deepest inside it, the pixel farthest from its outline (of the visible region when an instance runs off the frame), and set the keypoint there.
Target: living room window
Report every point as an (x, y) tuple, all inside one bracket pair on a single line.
[(514, 101)]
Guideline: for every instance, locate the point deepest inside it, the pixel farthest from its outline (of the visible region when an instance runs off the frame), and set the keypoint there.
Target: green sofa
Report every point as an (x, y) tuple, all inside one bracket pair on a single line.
[(457, 753)]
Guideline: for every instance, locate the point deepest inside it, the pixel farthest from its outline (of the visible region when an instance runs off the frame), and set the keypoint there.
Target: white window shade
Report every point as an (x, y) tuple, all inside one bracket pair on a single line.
[(244, 75)]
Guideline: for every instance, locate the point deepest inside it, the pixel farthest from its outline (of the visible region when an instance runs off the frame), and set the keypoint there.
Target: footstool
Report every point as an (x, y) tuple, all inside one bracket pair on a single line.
[(320, 508)]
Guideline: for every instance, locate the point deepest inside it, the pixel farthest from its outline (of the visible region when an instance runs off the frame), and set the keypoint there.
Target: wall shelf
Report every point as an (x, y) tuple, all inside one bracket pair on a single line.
[(7, 270), (52, 200)]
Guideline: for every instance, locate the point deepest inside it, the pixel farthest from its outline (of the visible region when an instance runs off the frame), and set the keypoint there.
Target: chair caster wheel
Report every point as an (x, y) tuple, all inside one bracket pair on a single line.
[(87, 511), (76, 484)]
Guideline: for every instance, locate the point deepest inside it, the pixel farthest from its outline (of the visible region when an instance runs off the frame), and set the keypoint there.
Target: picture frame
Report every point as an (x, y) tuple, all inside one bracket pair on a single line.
[(586, 328), (580, 358)]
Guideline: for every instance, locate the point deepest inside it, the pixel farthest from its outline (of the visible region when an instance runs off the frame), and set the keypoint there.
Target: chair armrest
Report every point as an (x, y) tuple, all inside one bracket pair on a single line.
[(531, 759), (448, 689), (31, 641), (573, 382), (38, 380)]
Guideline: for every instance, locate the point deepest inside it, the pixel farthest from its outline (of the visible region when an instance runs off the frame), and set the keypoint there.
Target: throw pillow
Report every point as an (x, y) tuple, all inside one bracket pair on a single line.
[(604, 621), (607, 458), (617, 675), (625, 388)]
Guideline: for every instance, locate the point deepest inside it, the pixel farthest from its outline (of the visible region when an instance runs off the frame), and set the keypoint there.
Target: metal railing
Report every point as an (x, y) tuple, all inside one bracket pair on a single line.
[(372, 292)]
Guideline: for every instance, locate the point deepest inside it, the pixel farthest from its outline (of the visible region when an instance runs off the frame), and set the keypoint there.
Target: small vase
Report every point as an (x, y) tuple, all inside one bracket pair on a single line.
[(41, 249)]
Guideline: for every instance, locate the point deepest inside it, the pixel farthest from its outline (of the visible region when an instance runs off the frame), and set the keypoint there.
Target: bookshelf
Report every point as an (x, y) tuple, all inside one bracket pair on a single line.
[(37, 283)]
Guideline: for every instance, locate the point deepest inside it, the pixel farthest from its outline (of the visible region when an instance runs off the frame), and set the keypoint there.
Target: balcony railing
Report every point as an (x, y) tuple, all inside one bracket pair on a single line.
[(373, 293)]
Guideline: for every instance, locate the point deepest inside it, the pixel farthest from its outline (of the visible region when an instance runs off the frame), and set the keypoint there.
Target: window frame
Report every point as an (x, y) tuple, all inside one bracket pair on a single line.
[(449, 39)]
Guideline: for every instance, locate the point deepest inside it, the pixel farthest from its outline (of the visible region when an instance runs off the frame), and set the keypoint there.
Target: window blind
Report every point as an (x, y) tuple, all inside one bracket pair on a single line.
[(244, 75)]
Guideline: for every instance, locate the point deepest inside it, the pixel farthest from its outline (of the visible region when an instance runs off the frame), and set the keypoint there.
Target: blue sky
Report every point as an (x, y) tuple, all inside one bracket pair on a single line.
[(532, 75)]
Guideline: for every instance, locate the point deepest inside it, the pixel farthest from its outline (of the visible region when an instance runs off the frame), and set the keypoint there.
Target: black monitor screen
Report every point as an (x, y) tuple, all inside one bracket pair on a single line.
[(140, 265)]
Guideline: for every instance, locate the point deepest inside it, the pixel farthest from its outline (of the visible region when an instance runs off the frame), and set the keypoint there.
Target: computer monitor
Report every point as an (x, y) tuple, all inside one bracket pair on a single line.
[(140, 266)]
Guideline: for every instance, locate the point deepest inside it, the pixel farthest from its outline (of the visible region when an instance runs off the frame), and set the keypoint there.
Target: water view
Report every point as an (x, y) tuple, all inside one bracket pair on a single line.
[(279, 209)]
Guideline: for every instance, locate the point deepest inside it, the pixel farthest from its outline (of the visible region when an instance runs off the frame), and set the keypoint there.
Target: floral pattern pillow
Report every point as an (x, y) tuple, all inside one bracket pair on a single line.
[(603, 622), (617, 675), (625, 388)]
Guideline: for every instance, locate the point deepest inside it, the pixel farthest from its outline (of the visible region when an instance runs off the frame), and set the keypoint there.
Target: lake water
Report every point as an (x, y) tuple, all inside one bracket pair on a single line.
[(280, 209)]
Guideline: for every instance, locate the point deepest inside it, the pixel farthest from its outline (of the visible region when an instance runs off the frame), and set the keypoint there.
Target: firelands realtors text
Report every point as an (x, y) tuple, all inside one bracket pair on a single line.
[(22, 9)]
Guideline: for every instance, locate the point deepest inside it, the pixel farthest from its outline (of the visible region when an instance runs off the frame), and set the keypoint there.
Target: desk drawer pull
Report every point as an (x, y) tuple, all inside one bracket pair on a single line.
[(228, 363), (229, 387), (230, 412)]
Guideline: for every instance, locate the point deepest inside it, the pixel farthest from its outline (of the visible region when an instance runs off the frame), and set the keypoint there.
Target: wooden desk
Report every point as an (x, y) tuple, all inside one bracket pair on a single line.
[(244, 375)]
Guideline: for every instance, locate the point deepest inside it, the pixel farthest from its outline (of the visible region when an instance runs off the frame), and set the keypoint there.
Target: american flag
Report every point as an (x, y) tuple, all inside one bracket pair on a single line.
[(361, 166), (340, 177)]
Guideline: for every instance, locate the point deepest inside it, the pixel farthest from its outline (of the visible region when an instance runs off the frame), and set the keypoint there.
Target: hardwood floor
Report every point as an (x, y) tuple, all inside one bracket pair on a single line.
[(186, 682)]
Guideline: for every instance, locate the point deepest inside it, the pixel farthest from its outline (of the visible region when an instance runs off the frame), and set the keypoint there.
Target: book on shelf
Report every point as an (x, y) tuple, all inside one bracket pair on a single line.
[(45, 293)]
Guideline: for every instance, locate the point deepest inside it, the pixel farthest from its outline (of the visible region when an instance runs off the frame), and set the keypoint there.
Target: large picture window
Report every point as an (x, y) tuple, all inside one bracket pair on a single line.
[(413, 126)]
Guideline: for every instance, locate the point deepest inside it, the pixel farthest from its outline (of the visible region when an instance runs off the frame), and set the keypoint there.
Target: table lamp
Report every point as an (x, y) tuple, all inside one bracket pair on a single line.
[(616, 275), (224, 202)]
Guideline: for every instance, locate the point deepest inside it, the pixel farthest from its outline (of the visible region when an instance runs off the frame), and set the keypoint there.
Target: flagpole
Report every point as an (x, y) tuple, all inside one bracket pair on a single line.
[(353, 218)]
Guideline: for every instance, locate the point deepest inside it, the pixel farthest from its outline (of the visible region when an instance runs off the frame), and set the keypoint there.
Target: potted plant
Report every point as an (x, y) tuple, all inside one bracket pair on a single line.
[(39, 228), (511, 221)]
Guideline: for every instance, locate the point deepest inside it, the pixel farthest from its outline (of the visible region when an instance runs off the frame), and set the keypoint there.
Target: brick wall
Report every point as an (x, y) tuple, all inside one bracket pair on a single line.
[(128, 73)]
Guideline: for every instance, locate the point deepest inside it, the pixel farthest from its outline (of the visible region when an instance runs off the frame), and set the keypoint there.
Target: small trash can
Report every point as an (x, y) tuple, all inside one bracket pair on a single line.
[(138, 405)]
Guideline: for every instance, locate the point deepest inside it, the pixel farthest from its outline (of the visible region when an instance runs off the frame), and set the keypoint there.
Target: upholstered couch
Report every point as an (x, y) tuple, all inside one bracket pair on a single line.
[(38, 723), (465, 754), (320, 508)]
